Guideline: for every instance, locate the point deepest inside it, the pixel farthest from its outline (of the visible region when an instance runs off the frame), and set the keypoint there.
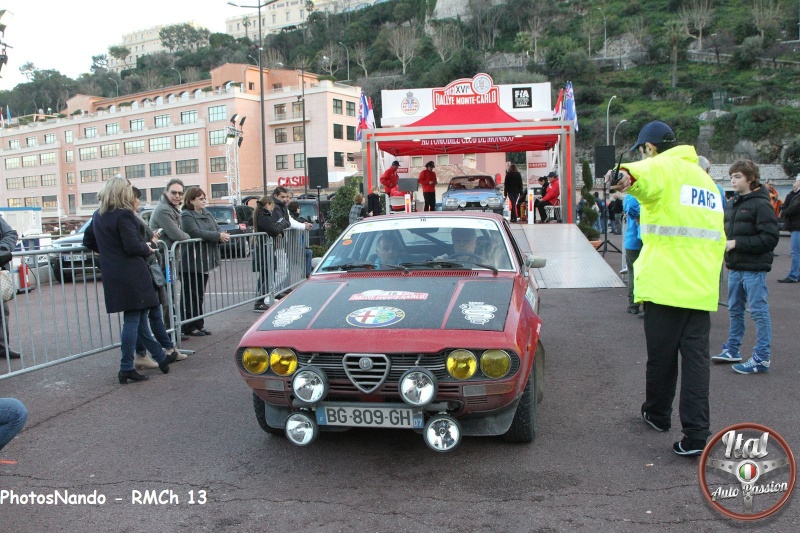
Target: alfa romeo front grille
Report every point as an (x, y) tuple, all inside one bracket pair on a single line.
[(366, 371)]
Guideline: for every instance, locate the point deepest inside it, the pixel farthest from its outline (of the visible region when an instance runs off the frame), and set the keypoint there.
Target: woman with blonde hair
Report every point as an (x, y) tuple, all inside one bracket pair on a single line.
[(357, 210), (127, 285)]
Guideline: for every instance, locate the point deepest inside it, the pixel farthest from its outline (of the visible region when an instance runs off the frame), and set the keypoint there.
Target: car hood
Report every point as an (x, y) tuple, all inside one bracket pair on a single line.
[(407, 302)]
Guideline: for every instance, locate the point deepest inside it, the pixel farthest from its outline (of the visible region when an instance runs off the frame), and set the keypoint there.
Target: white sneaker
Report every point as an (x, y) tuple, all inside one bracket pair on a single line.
[(179, 356), (144, 361)]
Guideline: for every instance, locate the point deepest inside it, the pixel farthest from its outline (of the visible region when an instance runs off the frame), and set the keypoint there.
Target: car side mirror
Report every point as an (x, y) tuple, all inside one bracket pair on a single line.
[(533, 261), (315, 261), (72, 232)]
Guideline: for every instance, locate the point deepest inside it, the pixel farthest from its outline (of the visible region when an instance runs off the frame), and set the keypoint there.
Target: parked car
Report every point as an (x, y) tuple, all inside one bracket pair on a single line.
[(440, 342), (473, 193), (236, 220), (316, 214), (68, 263)]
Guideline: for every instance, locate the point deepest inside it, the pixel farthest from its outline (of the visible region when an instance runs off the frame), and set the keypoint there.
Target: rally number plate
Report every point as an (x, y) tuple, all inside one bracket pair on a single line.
[(365, 415)]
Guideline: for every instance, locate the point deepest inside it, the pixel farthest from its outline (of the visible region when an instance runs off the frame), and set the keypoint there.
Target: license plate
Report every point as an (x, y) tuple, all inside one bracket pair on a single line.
[(366, 415), (79, 258)]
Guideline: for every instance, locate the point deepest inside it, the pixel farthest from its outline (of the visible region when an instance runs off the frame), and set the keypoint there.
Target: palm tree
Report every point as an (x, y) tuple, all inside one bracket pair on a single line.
[(246, 23)]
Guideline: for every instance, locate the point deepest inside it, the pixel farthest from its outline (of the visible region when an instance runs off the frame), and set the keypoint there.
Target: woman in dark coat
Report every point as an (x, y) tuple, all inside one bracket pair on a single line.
[(127, 285), (513, 189), (198, 258)]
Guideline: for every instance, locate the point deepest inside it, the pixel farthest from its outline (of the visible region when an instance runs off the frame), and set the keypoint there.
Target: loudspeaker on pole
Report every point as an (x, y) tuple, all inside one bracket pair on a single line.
[(318, 172), (604, 160)]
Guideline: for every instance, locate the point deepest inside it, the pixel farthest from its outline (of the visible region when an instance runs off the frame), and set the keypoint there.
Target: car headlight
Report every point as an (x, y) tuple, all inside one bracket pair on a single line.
[(461, 364), (417, 387), (451, 202), (495, 363), (495, 201), (310, 385), (484, 202), (283, 361), (255, 360), (462, 203)]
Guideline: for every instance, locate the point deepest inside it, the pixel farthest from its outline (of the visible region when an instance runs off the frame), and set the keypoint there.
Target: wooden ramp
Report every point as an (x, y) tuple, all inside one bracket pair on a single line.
[(572, 262)]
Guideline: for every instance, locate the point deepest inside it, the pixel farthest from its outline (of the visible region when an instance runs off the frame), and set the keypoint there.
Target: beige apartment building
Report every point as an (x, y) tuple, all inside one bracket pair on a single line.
[(140, 43), (179, 132)]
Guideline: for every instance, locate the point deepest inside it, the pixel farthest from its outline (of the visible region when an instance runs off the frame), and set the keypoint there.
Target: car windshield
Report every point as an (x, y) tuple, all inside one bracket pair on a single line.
[(471, 183), (420, 243), (223, 215)]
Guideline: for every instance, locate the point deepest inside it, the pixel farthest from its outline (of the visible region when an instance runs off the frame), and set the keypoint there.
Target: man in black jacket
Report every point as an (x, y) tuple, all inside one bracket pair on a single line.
[(752, 231), (790, 211), (513, 188)]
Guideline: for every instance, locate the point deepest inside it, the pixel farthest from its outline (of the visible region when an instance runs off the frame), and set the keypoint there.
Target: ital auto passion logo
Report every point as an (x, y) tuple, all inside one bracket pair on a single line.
[(747, 471)]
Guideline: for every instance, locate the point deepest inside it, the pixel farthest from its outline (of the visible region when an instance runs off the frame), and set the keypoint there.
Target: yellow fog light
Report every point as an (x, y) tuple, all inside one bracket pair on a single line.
[(255, 360), (461, 364), (283, 361), (495, 363)]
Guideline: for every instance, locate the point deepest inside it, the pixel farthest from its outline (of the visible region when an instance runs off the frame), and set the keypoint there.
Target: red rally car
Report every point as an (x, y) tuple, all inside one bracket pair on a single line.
[(420, 321)]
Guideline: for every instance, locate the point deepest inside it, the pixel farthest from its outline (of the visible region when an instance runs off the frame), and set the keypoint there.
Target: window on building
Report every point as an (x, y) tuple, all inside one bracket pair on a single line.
[(188, 117), (15, 202), (297, 133), (280, 111), (12, 162), (70, 178), (338, 159), (297, 109), (187, 140), (13, 144), (32, 201), (109, 150), (298, 161), (280, 135), (48, 158), (134, 147), (29, 160), (161, 121), (137, 124), (187, 166), (274, 18), (277, 85), (108, 173), (89, 198), (49, 138), (251, 86), (281, 162), (88, 176), (48, 180), (69, 156), (217, 113), (337, 107), (218, 164), (351, 133), (338, 131), (50, 202), (159, 144), (13, 183), (218, 190), (30, 181), (134, 171), (90, 132), (113, 128), (161, 169), (442, 159), (143, 197), (68, 136), (156, 192), (216, 137), (416, 161), (351, 109), (30, 141), (90, 152)]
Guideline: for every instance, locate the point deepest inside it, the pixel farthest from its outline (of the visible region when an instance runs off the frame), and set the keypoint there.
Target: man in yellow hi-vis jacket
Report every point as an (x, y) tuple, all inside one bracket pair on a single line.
[(677, 278)]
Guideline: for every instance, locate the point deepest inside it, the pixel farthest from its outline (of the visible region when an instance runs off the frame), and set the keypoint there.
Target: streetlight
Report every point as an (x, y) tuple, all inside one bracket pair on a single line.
[(180, 78), (607, 109), (605, 35), (615, 130), (302, 98), (348, 60), (261, 88), (117, 84), (254, 59)]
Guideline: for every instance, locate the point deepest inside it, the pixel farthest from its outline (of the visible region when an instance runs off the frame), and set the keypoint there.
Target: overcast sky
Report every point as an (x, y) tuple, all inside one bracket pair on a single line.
[(64, 35)]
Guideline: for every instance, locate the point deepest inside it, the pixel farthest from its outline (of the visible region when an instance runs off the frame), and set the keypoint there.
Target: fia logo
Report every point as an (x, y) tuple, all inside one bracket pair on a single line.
[(522, 97)]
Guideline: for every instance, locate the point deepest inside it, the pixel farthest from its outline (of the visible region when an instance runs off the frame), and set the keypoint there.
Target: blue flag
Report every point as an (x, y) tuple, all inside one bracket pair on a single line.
[(569, 105)]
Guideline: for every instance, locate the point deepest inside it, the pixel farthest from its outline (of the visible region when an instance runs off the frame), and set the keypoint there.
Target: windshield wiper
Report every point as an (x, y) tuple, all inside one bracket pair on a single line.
[(439, 263), (366, 266)]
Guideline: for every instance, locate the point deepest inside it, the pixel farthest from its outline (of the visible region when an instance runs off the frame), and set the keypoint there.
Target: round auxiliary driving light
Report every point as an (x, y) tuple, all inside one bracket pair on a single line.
[(310, 385), (484, 202), (255, 360), (462, 364), (462, 203), (495, 363), (301, 428), (283, 361), (418, 387), (442, 433)]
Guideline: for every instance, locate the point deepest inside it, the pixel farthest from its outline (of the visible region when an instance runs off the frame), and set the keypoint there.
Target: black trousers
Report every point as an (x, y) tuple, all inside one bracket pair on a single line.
[(670, 331), (430, 201), (193, 289), (539, 205)]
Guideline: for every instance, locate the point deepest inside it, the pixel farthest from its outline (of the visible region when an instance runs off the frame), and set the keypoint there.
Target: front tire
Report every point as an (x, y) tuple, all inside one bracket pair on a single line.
[(261, 417), (525, 425)]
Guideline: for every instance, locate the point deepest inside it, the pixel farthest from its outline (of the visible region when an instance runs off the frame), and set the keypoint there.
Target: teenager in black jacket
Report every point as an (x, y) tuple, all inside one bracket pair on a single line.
[(513, 188)]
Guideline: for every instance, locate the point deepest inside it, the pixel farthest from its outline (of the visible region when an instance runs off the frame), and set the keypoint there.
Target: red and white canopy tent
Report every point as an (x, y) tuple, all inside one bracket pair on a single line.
[(480, 128)]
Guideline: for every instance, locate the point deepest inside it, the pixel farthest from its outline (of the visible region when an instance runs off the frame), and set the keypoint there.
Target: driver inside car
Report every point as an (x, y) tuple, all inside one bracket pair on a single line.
[(387, 249), (465, 241)]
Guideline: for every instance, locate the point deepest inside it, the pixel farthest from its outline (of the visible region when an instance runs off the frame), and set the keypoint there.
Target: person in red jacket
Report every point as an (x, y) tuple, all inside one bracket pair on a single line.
[(427, 180), (551, 197), (390, 177)]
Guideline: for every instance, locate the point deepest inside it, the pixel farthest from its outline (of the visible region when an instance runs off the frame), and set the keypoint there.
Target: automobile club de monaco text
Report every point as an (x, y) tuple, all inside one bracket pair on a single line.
[(749, 449)]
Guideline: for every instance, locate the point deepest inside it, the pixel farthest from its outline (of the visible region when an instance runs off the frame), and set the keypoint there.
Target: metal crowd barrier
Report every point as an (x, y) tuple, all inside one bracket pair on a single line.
[(59, 314)]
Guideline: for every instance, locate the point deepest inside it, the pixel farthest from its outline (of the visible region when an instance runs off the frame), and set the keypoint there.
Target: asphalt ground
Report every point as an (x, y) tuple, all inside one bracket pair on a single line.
[(595, 465)]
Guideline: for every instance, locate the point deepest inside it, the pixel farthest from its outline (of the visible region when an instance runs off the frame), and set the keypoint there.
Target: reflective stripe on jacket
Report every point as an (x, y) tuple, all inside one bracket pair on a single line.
[(682, 229)]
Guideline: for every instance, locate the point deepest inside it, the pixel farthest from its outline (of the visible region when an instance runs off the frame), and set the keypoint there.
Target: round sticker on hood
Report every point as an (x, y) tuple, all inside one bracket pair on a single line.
[(375, 317)]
